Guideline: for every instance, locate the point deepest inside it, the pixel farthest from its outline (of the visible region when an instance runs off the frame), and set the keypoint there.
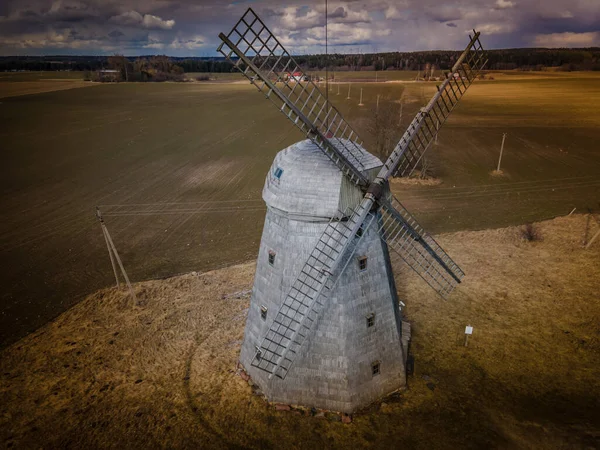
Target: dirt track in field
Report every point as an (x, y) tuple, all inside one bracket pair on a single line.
[(13, 84), (178, 170), (38, 87)]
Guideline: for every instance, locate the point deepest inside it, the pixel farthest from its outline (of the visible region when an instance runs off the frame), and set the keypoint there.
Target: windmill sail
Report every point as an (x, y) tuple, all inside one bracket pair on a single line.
[(261, 58), (422, 130), (418, 249)]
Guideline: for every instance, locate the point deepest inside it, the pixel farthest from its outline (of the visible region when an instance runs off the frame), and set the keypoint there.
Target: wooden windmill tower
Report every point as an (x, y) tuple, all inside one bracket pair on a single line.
[(324, 327)]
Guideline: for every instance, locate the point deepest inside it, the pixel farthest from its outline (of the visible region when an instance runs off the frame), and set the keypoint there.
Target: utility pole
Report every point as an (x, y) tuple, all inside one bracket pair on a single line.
[(327, 85), (113, 254), (110, 254), (501, 150), (360, 103)]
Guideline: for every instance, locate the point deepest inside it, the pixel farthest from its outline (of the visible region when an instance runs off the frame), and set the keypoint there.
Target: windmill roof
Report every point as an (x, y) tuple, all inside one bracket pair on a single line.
[(310, 185)]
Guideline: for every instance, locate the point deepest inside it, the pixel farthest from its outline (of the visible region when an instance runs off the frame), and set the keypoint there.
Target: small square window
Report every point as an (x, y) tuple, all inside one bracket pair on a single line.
[(263, 312), (272, 258), (278, 173), (375, 368), (359, 233), (362, 263), (370, 320)]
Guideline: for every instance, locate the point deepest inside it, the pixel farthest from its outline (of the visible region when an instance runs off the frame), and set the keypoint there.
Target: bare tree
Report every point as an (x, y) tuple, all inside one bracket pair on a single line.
[(122, 64), (426, 168), (383, 125)]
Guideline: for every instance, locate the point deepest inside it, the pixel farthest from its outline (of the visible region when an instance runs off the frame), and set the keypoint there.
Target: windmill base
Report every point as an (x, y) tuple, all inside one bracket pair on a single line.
[(347, 362), (286, 395)]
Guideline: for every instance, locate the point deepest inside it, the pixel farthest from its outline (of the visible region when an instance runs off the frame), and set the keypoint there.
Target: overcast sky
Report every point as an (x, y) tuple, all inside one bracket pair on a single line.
[(186, 27)]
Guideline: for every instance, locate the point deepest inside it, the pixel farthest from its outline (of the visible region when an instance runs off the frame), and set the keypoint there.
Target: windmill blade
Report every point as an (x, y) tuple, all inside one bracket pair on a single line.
[(308, 294), (422, 130), (261, 58), (418, 249)]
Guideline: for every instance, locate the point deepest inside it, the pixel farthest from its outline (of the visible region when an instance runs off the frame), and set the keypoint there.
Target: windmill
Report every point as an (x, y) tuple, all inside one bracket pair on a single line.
[(324, 327)]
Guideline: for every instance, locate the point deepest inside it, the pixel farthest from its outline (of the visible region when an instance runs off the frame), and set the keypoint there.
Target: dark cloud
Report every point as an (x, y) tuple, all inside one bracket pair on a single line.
[(443, 13), (338, 13), (116, 34), (189, 27), (268, 12)]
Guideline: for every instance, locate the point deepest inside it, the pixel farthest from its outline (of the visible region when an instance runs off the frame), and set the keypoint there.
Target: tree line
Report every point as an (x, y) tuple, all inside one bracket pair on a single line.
[(525, 59), (154, 68), (147, 68)]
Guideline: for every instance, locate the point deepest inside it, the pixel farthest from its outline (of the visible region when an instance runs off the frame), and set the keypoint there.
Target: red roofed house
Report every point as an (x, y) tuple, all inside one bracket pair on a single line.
[(295, 76)]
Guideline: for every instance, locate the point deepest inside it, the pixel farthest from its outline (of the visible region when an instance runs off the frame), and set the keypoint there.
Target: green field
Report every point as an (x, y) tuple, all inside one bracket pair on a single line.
[(178, 171), (233, 76)]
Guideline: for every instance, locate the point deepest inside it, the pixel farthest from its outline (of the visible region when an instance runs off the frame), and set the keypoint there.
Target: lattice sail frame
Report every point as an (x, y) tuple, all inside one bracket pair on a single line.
[(269, 66), (422, 130), (418, 249)]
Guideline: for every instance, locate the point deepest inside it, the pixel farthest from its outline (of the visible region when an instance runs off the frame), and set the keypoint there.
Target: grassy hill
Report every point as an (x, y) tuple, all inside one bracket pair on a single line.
[(162, 373)]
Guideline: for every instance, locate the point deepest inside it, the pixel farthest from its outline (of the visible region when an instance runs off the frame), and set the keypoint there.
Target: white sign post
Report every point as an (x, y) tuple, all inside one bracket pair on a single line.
[(468, 332)]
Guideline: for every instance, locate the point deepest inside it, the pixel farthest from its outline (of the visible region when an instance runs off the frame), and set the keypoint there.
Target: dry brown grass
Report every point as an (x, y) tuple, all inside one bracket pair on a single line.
[(498, 173), (415, 181), (566, 102), (162, 374)]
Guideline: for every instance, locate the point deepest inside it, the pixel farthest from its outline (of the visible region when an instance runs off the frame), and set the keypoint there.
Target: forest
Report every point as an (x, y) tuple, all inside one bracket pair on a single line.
[(506, 59)]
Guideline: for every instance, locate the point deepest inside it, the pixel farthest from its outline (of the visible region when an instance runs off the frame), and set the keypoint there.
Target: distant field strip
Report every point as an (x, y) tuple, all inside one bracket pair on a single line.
[(228, 206), (508, 188), (56, 225)]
